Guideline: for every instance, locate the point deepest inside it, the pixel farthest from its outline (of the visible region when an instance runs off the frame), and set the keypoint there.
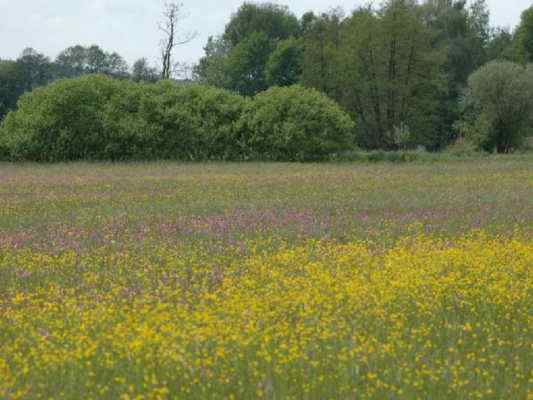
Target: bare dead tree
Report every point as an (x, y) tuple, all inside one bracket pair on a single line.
[(169, 26)]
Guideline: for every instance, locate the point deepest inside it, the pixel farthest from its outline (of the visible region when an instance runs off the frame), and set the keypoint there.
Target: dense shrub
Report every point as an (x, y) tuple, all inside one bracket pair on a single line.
[(98, 118), (62, 121), (498, 106), (168, 121), (294, 124)]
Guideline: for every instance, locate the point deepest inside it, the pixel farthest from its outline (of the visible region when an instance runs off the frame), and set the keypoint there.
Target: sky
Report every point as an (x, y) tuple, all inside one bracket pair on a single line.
[(130, 26)]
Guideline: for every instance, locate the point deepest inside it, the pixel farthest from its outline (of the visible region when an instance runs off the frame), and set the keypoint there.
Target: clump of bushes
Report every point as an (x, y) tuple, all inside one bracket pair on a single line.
[(99, 118), (296, 124)]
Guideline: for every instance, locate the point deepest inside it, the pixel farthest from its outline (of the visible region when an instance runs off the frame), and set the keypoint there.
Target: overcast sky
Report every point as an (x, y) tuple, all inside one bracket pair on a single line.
[(129, 26)]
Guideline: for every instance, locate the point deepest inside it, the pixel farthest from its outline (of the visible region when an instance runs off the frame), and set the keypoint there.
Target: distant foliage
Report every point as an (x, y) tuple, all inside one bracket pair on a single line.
[(33, 69), (275, 21), (11, 86), (240, 59), (79, 60), (100, 118), (143, 72), (284, 66), (296, 124), (29, 71), (498, 106), (245, 65), (524, 37)]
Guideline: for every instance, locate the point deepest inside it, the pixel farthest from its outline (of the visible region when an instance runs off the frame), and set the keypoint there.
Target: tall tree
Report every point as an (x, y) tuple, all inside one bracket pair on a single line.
[(321, 51), (173, 36), (461, 33), (390, 75), (237, 60)]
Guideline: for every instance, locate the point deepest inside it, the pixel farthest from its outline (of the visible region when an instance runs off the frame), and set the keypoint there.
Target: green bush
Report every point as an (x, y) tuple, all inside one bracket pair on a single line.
[(294, 124), (130, 136), (62, 121), (168, 121)]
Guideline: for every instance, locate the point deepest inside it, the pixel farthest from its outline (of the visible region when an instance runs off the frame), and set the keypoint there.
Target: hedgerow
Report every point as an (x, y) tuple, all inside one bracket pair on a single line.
[(99, 118)]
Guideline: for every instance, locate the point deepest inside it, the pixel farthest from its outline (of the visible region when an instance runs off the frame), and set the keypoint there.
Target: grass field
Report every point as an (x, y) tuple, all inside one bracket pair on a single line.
[(277, 281)]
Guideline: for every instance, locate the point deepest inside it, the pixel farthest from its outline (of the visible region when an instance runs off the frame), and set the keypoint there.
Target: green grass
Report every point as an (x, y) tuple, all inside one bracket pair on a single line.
[(337, 200), (267, 280)]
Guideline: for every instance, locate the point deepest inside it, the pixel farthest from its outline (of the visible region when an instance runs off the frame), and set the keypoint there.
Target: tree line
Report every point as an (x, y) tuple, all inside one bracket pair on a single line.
[(408, 73), (401, 69)]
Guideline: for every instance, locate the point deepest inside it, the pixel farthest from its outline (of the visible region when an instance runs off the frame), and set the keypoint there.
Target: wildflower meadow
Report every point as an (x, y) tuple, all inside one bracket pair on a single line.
[(263, 280)]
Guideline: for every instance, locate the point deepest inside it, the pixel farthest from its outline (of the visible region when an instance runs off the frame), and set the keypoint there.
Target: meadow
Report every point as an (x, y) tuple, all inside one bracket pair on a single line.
[(267, 280)]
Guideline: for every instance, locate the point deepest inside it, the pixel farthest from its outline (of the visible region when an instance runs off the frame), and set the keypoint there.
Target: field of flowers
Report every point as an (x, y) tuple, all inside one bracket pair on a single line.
[(275, 281)]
